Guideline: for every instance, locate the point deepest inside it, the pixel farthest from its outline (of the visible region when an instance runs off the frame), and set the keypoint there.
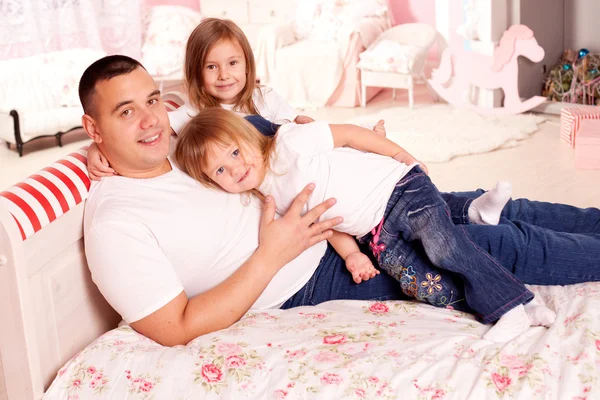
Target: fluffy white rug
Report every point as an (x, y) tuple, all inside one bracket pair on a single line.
[(440, 132)]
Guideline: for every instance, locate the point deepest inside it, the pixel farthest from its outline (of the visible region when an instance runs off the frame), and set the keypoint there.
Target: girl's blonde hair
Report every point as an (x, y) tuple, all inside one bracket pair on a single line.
[(222, 128), (208, 33)]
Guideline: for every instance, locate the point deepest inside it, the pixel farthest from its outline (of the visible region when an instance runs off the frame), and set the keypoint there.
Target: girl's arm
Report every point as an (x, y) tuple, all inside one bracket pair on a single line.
[(363, 139), (357, 263), (98, 166), (343, 244)]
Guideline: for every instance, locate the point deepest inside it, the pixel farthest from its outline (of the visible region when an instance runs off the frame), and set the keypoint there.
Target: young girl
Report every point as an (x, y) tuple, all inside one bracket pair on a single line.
[(384, 198), (220, 71)]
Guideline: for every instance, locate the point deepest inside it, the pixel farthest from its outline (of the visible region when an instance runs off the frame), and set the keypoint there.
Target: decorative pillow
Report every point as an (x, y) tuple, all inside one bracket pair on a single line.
[(68, 66), (321, 20), (389, 56), (166, 32)]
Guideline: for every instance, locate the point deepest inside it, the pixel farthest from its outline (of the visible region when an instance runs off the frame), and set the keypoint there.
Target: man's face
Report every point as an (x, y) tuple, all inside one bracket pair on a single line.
[(131, 124), (224, 72)]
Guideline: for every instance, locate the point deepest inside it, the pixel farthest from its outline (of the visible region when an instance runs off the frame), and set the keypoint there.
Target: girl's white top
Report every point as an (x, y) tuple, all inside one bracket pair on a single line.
[(361, 182), (269, 105)]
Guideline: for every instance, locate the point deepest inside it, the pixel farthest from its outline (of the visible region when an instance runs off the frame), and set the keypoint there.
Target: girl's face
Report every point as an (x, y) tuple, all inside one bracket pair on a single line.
[(235, 169), (224, 71)]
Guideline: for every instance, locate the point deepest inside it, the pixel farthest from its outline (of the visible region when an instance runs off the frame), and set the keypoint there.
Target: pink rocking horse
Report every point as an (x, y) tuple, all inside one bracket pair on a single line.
[(485, 72)]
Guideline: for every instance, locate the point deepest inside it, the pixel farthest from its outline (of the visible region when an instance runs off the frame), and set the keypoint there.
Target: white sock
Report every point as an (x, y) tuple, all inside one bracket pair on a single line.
[(538, 314), (511, 325), (486, 209)]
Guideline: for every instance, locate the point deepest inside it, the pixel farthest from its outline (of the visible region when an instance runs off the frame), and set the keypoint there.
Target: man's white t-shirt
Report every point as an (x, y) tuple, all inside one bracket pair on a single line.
[(146, 240), (269, 105), (361, 182)]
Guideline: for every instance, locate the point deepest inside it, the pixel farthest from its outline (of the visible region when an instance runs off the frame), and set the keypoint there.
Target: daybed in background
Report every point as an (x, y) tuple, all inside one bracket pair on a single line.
[(38, 95)]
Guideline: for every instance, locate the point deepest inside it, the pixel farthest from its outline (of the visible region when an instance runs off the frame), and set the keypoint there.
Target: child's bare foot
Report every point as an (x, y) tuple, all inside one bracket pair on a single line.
[(379, 128), (360, 266)]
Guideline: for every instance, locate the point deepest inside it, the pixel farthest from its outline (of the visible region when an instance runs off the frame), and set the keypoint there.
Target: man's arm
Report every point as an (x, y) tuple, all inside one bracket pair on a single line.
[(281, 240)]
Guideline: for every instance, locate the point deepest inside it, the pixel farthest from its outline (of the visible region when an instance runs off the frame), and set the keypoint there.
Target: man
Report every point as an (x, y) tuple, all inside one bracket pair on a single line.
[(176, 259)]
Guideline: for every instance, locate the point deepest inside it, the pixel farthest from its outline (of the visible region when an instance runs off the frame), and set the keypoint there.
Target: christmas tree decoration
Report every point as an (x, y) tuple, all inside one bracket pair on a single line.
[(574, 79), (583, 53)]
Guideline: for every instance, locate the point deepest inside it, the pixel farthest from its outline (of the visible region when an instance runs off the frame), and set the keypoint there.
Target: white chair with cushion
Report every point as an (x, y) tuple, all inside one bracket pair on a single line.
[(396, 59)]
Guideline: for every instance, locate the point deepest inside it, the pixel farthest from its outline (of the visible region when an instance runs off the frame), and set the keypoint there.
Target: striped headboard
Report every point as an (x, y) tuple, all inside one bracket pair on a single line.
[(40, 199), (45, 196)]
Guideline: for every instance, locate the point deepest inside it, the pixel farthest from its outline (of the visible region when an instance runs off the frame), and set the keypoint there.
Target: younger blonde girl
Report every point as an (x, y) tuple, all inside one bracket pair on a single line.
[(384, 197)]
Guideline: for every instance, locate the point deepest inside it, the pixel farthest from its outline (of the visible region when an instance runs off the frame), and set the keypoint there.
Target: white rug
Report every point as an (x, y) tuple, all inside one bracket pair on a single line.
[(440, 132)]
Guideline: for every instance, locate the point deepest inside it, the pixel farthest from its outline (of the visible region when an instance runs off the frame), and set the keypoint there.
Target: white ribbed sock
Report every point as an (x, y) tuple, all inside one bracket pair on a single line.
[(511, 325), (486, 209), (538, 314)]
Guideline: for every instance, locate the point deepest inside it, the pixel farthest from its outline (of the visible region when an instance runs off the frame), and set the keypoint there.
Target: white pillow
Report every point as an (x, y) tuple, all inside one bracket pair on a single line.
[(68, 66), (389, 56), (167, 29)]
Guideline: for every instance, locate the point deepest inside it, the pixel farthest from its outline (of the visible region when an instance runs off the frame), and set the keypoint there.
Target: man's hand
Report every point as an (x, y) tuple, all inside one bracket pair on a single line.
[(361, 267), (284, 239), (98, 166), (303, 119)]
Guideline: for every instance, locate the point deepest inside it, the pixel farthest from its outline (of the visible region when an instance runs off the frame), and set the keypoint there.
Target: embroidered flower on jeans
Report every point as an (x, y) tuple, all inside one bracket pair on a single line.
[(432, 283)]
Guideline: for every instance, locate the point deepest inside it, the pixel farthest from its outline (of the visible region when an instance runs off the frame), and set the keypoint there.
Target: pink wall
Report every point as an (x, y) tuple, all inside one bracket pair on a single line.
[(193, 4), (413, 11), (402, 10)]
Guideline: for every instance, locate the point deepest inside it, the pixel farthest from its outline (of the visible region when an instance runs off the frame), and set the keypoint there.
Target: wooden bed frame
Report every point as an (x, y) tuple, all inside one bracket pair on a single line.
[(49, 307)]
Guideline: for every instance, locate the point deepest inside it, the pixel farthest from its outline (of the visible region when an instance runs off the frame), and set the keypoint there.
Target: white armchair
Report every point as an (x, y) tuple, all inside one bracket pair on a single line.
[(315, 67), (396, 59), (39, 95)]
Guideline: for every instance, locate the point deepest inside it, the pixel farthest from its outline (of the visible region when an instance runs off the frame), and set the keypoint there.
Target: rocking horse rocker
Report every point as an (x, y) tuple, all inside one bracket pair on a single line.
[(498, 72)]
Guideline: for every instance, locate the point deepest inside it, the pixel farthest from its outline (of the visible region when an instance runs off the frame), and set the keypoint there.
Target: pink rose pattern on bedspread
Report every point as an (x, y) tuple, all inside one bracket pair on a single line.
[(352, 350)]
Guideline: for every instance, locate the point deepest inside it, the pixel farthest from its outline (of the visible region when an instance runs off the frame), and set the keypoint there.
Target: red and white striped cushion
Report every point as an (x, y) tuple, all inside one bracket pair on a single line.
[(40, 199), (173, 100), (45, 196)]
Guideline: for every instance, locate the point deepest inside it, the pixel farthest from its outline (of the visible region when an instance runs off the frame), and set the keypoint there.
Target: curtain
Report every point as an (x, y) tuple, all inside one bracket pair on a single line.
[(29, 27)]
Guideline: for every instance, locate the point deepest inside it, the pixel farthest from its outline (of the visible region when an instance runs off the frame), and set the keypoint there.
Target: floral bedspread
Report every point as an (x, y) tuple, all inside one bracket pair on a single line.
[(352, 350)]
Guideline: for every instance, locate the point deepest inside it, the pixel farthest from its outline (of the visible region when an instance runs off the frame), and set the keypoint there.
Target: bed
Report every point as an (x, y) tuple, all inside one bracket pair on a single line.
[(59, 339)]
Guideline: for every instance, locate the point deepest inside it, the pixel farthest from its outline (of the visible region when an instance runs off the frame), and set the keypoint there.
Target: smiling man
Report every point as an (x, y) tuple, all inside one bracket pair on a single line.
[(174, 258)]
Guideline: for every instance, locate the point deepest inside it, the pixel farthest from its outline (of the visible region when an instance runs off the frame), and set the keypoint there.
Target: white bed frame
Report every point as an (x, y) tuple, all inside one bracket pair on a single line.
[(49, 307)]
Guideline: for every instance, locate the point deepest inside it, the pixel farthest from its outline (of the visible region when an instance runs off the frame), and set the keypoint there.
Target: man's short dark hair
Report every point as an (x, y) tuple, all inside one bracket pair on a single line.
[(102, 70)]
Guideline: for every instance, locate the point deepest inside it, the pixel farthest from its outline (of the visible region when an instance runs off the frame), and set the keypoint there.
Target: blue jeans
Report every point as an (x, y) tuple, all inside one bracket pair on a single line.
[(417, 228), (435, 260), (562, 232), (332, 281), (263, 125), (540, 243)]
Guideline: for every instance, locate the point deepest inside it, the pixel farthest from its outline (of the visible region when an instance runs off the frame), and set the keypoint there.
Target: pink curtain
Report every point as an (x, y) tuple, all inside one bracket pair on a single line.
[(29, 27)]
